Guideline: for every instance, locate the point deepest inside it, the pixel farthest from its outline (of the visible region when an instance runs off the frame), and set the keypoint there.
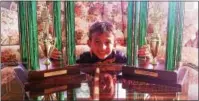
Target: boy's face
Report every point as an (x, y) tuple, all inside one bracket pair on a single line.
[(102, 44)]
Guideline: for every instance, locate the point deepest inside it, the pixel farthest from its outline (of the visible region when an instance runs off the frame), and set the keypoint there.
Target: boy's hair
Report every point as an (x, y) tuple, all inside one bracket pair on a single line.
[(100, 27)]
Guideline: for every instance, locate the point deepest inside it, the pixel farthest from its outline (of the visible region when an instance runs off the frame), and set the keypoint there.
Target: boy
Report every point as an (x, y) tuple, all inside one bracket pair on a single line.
[(102, 46), (102, 43), (102, 50)]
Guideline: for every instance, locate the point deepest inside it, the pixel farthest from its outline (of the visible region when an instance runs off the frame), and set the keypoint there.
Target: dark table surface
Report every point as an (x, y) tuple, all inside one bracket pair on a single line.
[(122, 88)]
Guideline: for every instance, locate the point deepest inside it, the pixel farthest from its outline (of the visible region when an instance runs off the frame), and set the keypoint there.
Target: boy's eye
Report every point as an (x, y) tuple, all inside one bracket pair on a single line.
[(108, 42), (97, 41)]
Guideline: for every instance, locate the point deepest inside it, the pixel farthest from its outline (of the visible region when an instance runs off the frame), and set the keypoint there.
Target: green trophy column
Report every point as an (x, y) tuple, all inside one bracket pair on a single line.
[(179, 32), (70, 31), (136, 32), (170, 36), (130, 42), (143, 23), (33, 60), (57, 23), (70, 36), (141, 37), (130, 33), (23, 33), (58, 35), (32, 35)]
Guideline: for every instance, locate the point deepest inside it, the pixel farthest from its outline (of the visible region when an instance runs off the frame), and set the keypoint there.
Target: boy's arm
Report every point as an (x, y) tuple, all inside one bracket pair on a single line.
[(41, 53), (144, 51), (84, 58), (56, 54)]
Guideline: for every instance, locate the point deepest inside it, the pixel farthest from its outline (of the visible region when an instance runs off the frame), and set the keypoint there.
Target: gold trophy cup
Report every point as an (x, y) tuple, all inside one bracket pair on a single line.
[(49, 45), (46, 40), (154, 43)]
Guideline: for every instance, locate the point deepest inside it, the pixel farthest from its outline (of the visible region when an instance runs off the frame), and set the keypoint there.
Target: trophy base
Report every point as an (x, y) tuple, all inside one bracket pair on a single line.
[(47, 63), (154, 61)]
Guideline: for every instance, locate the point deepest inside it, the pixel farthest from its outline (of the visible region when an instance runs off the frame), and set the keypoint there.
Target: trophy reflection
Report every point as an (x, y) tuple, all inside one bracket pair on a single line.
[(154, 43)]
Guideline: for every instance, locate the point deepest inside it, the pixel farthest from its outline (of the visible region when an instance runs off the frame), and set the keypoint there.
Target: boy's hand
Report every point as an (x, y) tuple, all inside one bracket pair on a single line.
[(56, 54), (144, 51)]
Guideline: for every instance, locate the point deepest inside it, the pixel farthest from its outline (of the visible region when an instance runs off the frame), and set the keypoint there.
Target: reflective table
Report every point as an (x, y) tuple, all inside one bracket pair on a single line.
[(100, 82)]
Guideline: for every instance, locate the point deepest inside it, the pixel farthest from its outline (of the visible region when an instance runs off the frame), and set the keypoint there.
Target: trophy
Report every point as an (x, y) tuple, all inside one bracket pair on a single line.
[(154, 43), (49, 45), (46, 40)]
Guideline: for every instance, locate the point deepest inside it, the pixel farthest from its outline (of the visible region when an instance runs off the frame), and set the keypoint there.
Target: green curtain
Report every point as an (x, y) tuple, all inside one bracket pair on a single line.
[(23, 33), (70, 44), (143, 23), (170, 36), (58, 35)]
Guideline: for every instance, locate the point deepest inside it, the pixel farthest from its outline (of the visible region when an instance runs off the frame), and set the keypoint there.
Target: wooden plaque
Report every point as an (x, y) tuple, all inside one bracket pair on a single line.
[(55, 89), (55, 81), (149, 75), (39, 75)]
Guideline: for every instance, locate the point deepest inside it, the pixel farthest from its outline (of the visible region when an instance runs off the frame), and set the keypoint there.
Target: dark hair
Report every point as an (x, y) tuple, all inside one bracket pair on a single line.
[(100, 27)]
